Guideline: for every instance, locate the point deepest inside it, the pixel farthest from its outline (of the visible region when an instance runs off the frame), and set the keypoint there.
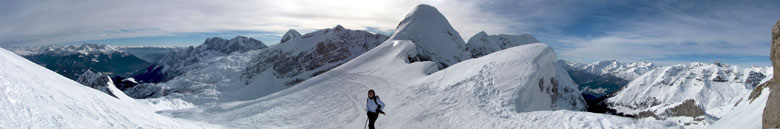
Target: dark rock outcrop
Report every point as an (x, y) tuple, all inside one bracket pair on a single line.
[(482, 44), (98, 81), (771, 117), (329, 49), (178, 62), (687, 108)]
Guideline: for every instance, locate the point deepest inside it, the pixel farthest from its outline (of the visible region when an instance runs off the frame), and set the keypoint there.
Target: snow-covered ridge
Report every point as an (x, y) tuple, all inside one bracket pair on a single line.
[(627, 71), (171, 47), (482, 44), (714, 87)]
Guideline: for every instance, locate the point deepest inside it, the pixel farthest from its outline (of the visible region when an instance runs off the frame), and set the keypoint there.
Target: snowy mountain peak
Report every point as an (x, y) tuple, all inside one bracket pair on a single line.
[(93, 47), (480, 34), (291, 34), (338, 28), (433, 35), (627, 71), (175, 63), (237, 44), (482, 44)]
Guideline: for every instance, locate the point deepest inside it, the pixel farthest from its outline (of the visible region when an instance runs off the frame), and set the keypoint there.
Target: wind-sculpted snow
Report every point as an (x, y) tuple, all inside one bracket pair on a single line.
[(35, 97)]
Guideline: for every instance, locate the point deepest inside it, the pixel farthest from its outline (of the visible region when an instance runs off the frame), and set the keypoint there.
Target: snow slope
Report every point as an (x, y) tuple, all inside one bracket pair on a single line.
[(715, 88), (35, 97), (746, 113)]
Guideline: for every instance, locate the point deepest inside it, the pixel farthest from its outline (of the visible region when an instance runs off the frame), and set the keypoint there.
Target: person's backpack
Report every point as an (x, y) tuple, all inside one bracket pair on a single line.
[(378, 107)]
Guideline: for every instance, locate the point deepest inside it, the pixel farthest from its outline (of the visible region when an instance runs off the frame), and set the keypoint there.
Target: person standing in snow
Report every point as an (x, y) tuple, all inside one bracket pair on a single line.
[(374, 106)]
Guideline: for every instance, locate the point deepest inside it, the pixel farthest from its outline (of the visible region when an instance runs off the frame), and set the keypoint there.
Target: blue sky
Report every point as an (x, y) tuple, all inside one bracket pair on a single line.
[(664, 32)]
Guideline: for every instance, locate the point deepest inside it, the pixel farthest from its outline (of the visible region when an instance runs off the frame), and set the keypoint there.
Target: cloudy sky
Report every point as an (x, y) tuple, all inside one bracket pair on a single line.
[(664, 32)]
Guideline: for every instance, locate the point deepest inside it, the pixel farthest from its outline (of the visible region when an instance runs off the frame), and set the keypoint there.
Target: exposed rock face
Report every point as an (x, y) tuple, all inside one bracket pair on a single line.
[(306, 56), (176, 63), (482, 44), (98, 81), (772, 110), (687, 108), (237, 44)]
